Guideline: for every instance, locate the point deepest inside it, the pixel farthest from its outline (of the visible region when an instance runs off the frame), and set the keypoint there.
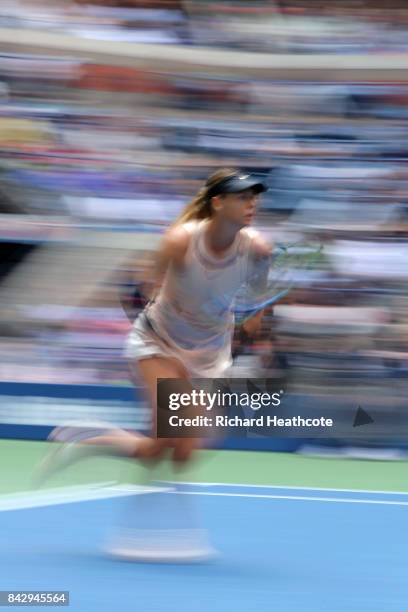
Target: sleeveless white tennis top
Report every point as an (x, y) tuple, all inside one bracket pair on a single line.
[(193, 310)]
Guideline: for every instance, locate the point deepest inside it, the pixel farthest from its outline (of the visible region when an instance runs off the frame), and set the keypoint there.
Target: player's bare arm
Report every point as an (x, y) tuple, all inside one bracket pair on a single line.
[(172, 249)]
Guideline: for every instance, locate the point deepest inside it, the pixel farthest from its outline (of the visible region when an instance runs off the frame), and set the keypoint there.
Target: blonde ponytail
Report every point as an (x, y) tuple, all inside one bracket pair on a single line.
[(200, 206)]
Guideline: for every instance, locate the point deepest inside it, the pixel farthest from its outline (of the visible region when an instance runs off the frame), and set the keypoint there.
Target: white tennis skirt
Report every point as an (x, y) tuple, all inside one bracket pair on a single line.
[(143, 342)]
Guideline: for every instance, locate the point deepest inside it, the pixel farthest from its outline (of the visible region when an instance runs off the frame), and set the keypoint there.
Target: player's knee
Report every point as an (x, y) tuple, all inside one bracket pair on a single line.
[(151, 449), (184, 450), (182, 453)]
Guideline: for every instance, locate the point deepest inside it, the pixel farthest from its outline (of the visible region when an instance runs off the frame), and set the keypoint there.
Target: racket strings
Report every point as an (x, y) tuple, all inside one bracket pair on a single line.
[(285, 264)]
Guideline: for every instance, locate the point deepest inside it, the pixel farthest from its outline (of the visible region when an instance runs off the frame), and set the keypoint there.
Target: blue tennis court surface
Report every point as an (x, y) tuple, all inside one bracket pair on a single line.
[(283, 549)]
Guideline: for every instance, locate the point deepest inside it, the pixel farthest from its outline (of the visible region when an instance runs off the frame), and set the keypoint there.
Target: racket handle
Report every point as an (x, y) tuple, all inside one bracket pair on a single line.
[(253, 324), (132, 302)]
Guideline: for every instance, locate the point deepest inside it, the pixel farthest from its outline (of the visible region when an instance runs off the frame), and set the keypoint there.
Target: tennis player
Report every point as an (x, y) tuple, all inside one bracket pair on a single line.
[(186, 329)]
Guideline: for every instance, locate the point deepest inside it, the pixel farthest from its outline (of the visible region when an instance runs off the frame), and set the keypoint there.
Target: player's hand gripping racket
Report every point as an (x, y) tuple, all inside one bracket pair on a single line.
[(271, 279)]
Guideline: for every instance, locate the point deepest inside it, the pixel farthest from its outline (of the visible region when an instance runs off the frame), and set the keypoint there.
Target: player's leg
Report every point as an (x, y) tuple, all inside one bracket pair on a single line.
[(78, 441), (149, 371), (131, 444)]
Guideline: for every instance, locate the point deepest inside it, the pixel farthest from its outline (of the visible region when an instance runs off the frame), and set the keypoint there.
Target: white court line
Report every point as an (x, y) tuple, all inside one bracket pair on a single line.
[(288, 488), (67, 495), (130, 488), (137, 488), (105, 490), (297, 497)]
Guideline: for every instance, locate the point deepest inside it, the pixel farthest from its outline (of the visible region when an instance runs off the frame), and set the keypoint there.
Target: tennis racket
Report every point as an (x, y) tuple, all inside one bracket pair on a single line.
[(274, 278)]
